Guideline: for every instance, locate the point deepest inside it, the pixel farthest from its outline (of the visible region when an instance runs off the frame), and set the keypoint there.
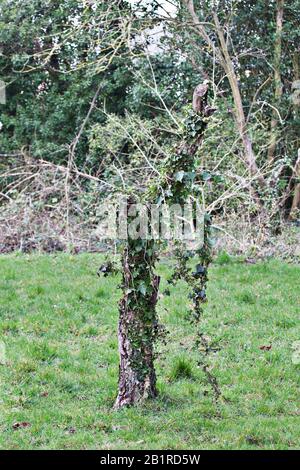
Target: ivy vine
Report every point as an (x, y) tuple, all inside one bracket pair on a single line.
[(139, 327)]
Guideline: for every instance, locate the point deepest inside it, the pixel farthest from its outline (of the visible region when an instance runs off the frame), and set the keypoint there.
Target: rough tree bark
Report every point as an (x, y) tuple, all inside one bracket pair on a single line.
[(277, 78), (138, 324)]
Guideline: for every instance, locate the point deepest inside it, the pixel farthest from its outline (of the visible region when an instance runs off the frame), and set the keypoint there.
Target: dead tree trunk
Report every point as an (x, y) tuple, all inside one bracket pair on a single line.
[(138, 324)]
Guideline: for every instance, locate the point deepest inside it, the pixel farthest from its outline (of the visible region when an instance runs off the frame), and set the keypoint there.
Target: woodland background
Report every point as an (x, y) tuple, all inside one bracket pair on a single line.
[(95, 96)]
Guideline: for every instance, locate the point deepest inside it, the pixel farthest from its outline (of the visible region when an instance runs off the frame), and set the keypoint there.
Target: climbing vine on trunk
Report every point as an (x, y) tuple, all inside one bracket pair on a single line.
[(138, 323), (192, 267), (183, 180)]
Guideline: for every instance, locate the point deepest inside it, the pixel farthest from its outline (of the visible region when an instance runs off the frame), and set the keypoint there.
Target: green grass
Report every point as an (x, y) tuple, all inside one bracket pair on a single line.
[(58, 324)]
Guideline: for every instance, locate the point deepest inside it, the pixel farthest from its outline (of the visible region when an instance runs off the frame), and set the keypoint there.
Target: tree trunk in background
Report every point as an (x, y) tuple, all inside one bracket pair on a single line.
[(296, 198), (296, 104), (239, 108), (277, 78), (223, 56)]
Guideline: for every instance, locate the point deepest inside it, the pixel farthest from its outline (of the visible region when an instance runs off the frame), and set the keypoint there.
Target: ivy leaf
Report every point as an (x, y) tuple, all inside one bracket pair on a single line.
[(142, 288), (190, 175), (200, 269), (205, 175), (211, 242), (179, 176), (159, 200)]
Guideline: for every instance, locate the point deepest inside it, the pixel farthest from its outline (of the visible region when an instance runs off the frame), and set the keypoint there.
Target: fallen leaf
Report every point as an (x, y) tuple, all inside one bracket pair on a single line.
[(22, 424), (266, 348), (119, 428), (70, 430)]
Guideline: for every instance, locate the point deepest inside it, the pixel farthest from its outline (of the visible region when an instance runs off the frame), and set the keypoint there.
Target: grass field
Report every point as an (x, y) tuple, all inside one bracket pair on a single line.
[(59, 360)]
